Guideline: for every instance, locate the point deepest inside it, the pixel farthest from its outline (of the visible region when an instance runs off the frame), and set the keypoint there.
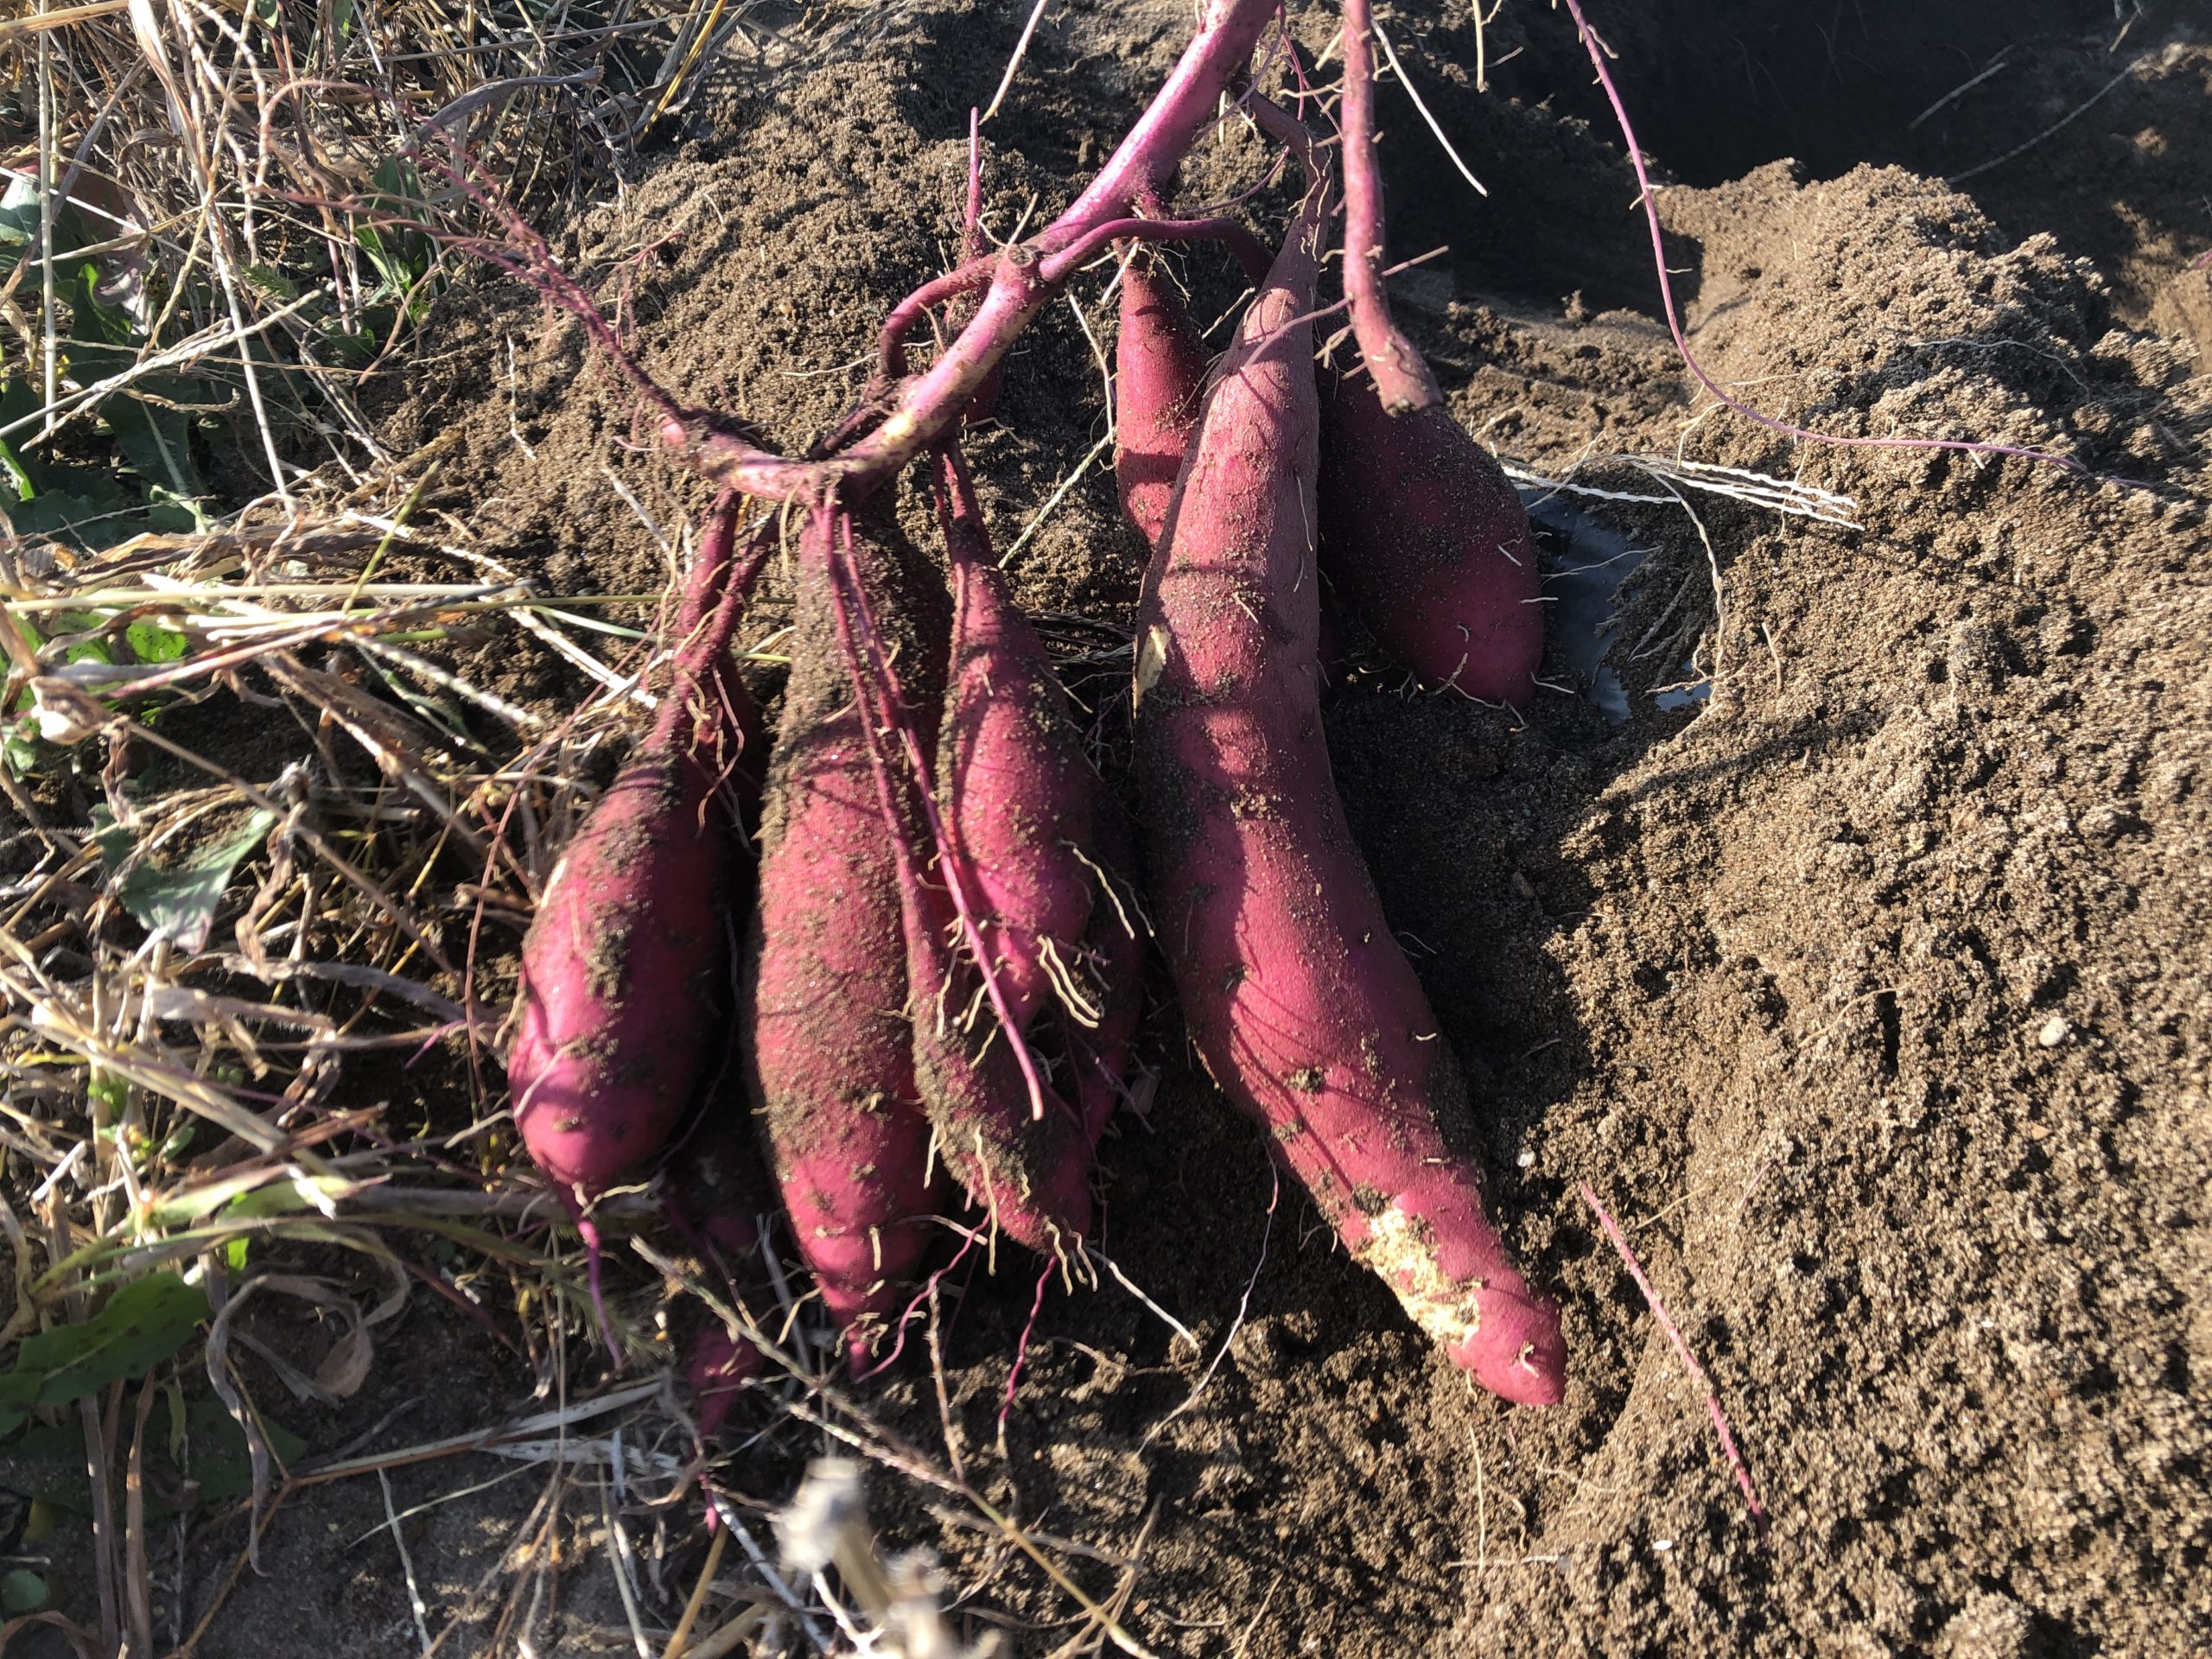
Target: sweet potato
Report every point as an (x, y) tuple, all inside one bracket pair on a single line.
[(1113, 979), (1159, 370), (714, 1192), (1001, 1129), (1424, 541), (1291, 984), (745, 740), (1028, 1170), (830, 1067), (1019, 792), (623, 997)]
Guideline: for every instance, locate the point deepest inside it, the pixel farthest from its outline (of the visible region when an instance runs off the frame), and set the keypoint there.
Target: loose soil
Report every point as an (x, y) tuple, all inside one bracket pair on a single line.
[(1868, 986)]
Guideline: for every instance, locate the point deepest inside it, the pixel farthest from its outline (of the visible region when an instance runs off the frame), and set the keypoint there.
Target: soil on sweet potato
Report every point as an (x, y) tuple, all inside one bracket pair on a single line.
[(1867, 982)]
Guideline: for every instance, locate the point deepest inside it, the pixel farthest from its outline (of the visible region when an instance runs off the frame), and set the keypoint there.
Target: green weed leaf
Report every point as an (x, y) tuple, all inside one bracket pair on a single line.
[(179, 904), (142, 1325), (272, 282), (21, 1591), (18, 1393), (151, 643), (219, 1460), (204, 1440)]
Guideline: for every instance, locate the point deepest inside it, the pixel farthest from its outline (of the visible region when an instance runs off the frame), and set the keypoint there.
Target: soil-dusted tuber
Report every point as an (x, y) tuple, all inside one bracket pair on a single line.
[(946, 961), (1020, 795), (624, 995), (1159, 370), (830, 1061), (1424, 541), (999, 1125), (1294, 988)]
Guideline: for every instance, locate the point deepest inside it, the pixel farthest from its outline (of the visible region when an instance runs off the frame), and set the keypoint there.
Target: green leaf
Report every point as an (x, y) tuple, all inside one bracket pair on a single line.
[(19, 749), (69, 478), (249, 1197), (149, 431), (181, 514), (21, 1591), (18, 474), (151, 643), (47, 1465), (155, 439), (220, 1462), (93, 320), (271, 280), (109, 1090), (402, 257), (390, 267), (18, 1393), (179, 904), (19, 224), (87, 523), (289, 1198), (142, 1325), (19, 214)]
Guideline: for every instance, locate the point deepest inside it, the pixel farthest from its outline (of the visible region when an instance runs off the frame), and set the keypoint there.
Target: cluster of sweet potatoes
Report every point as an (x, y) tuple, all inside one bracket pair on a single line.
[(901, 950)]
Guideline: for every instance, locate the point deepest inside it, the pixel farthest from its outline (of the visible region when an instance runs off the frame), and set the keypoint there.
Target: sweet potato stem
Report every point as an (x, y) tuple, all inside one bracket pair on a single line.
[(1016, 283), (1681, 1346), (971, 224), (1023, 280), (1052, 272), (1401, 377), (1648, 201)]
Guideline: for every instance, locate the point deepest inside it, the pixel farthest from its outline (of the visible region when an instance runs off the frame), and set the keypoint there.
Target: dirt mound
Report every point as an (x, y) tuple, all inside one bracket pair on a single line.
[(1862, 974)]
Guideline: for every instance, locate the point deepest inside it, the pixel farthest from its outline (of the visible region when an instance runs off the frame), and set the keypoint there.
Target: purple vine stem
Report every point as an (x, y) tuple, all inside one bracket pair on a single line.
[(1597, 50), (1401, 379), (1023, 280), (1682, 1351), (978, 273)]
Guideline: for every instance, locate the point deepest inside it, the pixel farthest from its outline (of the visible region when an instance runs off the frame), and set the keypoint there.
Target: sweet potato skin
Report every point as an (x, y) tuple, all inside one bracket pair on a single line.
[(830, 1068), (1293, 986), (623, 993), (1113, 956), (1024, 1169), (1019, 792), (1030, 1175), (715, 1190), (620, 976), (1424, 541), (1159, 370)]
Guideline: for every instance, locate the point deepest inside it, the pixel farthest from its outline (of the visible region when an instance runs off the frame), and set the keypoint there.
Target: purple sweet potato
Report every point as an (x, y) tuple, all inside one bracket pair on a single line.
[(1113, 981), (715, 1190), (1019, 792), (831, 1065), (1424, 541), (1159, 370), (1027, 1171), (1001, 1130), (623, 997), (1293, 986)]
